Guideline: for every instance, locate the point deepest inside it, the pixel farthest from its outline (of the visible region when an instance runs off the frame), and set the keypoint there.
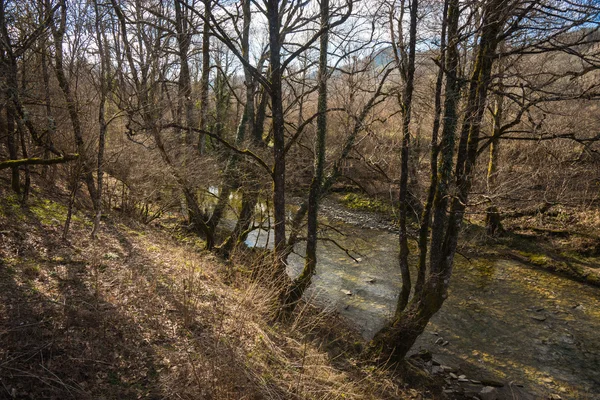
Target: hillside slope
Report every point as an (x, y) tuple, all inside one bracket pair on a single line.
[(142, 313)]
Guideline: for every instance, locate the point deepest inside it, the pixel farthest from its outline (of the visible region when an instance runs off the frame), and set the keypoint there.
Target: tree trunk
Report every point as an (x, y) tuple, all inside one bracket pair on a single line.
[(447, 140), (185, 105), (391, 344), (242, 226), (294, 292), (409, 67), (15, 181), (433, 163), (278, 134), (493, 220), (204, 79), (394, 341), (71, 103), (231, 180), (49, 114), (105, 88), (335, 172), (8, 63)]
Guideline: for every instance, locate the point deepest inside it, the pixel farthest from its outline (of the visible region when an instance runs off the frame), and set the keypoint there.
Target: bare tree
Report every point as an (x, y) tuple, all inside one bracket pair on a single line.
[(499, 21), (58, 32)]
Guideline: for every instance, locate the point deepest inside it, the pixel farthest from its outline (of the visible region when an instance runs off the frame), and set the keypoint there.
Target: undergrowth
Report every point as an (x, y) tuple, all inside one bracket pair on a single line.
[(142, 314)]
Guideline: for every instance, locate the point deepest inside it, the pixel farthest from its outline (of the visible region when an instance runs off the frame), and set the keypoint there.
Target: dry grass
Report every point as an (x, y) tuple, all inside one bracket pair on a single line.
[(141, 314)]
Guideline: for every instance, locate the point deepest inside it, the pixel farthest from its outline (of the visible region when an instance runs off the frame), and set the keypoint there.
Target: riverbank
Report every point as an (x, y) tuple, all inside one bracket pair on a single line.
[(144, 313), (507, 319), (561, 241)]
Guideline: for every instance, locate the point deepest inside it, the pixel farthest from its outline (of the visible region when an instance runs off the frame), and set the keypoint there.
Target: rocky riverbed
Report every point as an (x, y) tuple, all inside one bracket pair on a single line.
[(506, 331)]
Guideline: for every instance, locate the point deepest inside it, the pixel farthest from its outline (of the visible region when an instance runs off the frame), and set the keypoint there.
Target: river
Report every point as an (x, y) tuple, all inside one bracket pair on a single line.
[(502, 320)]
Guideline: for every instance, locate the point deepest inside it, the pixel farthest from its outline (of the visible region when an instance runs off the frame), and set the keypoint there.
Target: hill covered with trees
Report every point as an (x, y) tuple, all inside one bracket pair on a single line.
[(192, 191)]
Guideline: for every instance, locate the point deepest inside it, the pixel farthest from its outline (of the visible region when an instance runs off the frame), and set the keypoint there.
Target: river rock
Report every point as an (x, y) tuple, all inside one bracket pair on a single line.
[(491, 382), (470, 394), (453, 375), (540, 318), (370, 280), (446, 368), (488, 393), (439, 341), (425, 355), (346, 292)]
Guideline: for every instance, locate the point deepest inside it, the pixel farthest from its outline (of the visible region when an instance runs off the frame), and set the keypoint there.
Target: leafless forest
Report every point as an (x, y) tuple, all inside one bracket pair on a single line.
[(201, 122)]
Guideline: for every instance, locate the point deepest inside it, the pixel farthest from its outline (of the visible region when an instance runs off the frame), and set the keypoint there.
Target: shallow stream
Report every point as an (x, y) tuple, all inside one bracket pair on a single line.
[(503, 320)]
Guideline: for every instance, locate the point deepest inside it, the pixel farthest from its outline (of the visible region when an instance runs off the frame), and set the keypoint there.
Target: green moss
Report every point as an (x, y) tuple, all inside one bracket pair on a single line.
[(577, 257), (111, 256), (357, 201), (11, 207), (131, 231), (534, 258), (153, 248), (50, 212)]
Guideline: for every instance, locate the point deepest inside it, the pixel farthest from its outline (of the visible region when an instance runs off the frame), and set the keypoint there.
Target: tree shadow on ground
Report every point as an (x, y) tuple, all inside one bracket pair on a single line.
[(107, 322)]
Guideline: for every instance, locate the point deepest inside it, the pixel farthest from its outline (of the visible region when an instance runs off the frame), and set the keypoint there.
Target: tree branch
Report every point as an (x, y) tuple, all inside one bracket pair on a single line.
[(37, 161)]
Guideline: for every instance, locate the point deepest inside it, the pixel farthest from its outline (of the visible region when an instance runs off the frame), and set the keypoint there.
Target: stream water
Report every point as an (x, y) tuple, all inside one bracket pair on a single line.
[(502, 320)]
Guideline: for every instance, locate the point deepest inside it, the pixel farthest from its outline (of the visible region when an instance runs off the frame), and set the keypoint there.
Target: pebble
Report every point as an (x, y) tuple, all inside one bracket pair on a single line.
[(540, 318), (488, 393), (346, 292), (439, 341), (453, 375)]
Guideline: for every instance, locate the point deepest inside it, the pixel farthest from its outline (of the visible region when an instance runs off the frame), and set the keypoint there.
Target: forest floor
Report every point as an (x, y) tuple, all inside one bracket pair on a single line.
[(142, 312), (564, 241)]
